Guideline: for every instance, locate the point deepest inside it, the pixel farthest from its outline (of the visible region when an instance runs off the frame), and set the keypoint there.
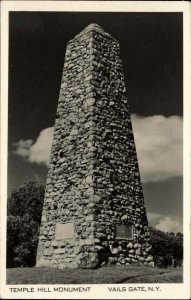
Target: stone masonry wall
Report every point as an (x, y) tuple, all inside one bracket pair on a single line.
[(93, 180)]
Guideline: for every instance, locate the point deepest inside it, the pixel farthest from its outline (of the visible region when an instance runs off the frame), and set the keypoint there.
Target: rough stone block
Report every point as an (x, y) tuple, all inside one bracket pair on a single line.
[(47, 244), (60, 251), (149, 258), (48, 252), (55, 244)]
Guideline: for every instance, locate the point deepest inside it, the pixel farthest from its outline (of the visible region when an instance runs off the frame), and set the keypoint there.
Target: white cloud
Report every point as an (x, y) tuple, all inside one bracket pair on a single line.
[(159, 146), (170, 225), (38, 152), (158, 142), (164, 223), (22, 147)]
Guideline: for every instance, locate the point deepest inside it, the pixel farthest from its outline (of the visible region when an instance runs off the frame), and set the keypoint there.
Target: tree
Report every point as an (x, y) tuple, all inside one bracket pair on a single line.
[(24, 210), (166, 247)]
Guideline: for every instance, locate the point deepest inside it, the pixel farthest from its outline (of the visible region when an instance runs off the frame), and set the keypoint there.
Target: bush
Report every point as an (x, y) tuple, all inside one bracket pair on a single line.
[(23, 221), (167, 248)]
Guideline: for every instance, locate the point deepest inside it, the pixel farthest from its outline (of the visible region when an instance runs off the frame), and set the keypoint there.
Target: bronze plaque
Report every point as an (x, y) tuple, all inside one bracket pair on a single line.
[(123, 232)]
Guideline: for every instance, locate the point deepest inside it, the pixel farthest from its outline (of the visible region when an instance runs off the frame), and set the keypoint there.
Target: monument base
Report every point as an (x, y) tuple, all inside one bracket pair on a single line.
[(93, 253)]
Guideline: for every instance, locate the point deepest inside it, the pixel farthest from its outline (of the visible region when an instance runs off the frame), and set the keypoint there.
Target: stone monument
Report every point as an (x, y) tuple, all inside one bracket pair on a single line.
[(94, 211)]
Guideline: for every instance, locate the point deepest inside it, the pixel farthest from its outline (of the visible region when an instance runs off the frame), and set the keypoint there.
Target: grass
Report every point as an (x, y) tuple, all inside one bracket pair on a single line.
[(109, 275)]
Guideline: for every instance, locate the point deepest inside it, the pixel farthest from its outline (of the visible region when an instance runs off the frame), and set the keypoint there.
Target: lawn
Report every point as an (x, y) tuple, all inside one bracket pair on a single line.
[(109, 275)]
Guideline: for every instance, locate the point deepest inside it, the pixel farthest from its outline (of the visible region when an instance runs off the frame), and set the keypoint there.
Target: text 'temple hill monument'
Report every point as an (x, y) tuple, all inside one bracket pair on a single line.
[(94, 210)]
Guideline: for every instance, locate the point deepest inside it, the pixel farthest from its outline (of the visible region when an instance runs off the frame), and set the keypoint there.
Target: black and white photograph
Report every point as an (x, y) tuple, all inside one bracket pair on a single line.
[(96, 185)]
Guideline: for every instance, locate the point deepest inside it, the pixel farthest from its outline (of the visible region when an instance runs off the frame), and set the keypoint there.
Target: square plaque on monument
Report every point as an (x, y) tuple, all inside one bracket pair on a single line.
[(64, 231), (123, 232)]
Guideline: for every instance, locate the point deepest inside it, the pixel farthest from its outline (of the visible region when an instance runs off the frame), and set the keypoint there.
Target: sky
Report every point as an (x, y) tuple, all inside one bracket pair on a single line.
[(151, 52)]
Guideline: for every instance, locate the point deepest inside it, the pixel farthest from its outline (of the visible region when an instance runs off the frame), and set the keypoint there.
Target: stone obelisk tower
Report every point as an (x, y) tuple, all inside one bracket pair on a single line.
[(94, 210)]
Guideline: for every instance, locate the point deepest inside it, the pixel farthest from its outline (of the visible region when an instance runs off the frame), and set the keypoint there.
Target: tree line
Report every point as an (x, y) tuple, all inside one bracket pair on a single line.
[(24, 209)]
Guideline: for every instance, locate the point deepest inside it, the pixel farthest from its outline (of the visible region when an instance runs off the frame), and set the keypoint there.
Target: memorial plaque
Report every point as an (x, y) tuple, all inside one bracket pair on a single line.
[(64, 231), (123, 232)]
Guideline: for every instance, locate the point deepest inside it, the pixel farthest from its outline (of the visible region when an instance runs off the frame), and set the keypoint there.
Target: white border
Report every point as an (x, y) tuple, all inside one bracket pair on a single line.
[(168, 291)]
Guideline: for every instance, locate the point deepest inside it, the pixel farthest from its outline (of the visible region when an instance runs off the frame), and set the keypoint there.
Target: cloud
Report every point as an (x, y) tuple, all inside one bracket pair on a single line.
[(38, 152), (22, 147), (164, 223), (170, 225), (159, 143)]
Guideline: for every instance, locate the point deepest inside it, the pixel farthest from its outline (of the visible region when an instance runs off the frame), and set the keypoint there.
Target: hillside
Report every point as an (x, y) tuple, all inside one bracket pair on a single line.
[(109, 274)]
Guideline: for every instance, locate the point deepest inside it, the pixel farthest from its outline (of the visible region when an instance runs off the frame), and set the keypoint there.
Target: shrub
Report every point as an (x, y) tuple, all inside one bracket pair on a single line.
[(24, 215), (167, 248)]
